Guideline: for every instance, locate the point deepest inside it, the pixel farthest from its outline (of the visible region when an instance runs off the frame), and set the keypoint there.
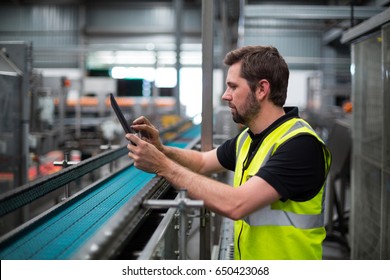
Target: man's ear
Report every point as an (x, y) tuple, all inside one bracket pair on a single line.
[(263, 89)]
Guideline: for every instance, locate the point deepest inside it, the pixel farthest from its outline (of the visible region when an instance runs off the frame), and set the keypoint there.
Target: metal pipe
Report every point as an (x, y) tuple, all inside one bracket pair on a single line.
[(178, 12), (207, 108), (183, 225)]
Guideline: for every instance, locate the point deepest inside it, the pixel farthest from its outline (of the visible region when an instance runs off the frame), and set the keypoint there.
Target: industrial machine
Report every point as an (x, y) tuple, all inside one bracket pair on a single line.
[(101, 206), (128, 214), (15, 72)]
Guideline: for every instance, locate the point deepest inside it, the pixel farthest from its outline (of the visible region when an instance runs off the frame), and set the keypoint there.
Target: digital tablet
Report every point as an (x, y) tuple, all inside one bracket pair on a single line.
[(119, 114)]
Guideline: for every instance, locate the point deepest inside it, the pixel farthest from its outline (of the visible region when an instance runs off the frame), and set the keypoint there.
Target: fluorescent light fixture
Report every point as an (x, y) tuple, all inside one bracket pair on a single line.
[(166, 77), (146, 73)]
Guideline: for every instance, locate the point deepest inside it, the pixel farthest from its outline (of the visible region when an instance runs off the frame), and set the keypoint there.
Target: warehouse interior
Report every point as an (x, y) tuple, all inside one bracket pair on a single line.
[(64, 170)]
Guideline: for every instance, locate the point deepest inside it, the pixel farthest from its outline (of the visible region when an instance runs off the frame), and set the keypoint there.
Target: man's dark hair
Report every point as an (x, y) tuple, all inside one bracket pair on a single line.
[(262, 62)]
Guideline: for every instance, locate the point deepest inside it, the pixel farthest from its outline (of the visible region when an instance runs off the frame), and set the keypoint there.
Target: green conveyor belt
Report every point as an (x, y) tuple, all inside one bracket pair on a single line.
[(63, 231)]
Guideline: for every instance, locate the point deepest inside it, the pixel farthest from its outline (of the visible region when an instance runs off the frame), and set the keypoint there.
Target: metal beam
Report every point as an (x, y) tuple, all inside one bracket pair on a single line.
[(309, 11), (366, 26)]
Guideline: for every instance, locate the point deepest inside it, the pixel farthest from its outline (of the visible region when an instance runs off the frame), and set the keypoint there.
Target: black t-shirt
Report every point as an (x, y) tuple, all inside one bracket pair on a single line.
[(296, 170)]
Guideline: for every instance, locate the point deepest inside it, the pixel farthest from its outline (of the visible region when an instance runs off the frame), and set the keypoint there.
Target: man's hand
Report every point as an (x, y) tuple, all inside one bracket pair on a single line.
[(148, 131), (145, 155)]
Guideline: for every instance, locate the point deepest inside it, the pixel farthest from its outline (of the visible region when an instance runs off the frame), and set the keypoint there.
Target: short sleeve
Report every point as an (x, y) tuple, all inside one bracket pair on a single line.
[(226, 154), (297, 169)]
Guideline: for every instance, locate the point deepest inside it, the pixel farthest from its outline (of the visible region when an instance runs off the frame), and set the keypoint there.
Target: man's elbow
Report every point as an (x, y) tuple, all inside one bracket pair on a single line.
[(235, 213)]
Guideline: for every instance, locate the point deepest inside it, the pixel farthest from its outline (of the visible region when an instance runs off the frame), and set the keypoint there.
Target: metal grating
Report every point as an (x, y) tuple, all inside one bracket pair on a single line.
[(367, 136), (367, 211), (386, 145), (370, 218)]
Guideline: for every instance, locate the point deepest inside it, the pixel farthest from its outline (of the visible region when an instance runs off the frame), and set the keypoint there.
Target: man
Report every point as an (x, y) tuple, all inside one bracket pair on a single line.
[(280, 163)]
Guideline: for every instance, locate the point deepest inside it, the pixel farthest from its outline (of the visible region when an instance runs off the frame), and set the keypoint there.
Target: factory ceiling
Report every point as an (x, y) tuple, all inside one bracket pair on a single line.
[(102, 25), (112, 2)]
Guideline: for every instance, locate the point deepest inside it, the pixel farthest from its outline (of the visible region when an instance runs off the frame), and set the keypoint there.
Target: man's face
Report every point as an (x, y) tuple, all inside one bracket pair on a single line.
[(242, 101)]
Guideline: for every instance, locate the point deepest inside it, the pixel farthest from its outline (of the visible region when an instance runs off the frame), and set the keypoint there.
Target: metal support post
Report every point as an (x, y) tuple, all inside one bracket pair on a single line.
[(109, 146), (207, 110), (65, 163), (182, 203), (178, 6)]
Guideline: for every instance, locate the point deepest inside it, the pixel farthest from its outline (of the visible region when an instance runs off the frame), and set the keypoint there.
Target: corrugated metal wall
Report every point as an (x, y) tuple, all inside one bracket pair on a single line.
[(50, 28), (62, 34), (124, 18), (293, 38)]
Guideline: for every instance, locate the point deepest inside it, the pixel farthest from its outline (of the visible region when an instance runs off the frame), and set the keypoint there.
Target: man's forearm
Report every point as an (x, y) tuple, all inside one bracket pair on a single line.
[(189, 158), (200, 187)]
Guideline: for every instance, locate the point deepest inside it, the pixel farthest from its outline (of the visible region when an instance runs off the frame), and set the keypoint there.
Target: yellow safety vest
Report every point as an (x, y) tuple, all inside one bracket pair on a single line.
[(282, 230)]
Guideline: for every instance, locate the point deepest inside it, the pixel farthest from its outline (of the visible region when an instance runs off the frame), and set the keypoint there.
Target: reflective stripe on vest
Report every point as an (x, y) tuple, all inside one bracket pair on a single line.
[(267, 216)]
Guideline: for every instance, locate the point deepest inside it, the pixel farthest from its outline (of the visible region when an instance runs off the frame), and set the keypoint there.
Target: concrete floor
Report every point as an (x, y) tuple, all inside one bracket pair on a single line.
[(335, 251)]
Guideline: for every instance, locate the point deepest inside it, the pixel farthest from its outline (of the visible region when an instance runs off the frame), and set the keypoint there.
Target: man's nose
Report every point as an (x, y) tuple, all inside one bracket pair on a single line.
[(226, 95)]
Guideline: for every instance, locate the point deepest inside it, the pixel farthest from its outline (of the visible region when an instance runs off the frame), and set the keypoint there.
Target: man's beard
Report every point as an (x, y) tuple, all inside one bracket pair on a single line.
[(251, 109)]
